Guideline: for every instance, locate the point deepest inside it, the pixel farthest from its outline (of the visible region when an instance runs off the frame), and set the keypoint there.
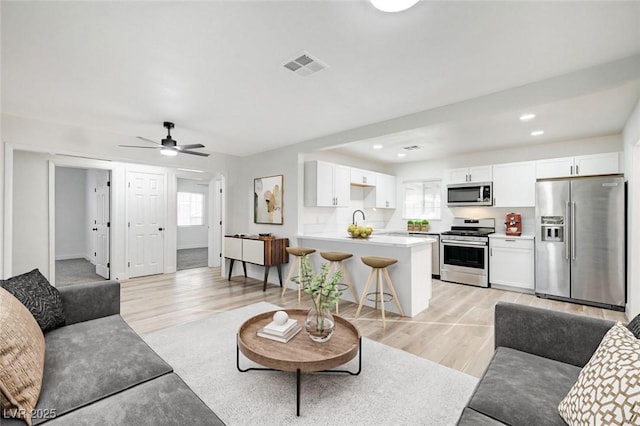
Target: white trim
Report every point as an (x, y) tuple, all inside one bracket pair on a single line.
[(7, 255), (52, 222)]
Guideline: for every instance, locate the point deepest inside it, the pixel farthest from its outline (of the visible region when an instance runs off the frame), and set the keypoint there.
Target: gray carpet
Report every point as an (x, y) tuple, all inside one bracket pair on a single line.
[(394, 388), (192, 258), (75, 271)]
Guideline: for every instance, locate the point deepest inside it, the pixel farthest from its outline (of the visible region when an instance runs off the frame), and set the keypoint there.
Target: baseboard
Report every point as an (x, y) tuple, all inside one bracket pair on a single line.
[(194, 246), (70, 256)]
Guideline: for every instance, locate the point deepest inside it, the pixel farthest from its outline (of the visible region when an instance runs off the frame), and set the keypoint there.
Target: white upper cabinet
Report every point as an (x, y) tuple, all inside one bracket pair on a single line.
[(470, 174), (514, 184), (583, 165), (597, 164), (384, 194), (361, 177), (326, 184)]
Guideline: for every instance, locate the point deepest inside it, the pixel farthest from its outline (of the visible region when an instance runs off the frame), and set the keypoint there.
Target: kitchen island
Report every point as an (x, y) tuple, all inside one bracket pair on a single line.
[(411, 276)]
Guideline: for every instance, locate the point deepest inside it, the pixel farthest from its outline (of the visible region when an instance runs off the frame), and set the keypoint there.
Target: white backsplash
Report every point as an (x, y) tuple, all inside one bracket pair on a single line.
[(336, 219)]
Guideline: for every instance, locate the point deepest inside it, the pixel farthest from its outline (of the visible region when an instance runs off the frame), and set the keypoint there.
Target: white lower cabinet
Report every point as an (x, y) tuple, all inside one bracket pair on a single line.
[(512, 262)]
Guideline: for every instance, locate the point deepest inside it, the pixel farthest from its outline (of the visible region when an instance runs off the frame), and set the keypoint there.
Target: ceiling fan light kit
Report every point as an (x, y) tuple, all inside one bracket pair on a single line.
[(169, 152), (169, 146), (393, 5)]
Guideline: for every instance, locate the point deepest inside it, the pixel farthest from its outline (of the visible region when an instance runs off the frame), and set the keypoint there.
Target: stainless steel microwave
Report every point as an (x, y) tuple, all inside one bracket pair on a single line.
[(470, 194)]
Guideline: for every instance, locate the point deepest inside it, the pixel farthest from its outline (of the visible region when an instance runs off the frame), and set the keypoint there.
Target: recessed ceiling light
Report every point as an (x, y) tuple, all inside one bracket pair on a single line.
[(537, 133), (527, 117), (393, 5), (377, 146), (402, 154)]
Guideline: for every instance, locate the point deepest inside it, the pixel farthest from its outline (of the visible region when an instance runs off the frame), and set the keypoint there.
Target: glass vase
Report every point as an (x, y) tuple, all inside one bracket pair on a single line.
[(320, 325)]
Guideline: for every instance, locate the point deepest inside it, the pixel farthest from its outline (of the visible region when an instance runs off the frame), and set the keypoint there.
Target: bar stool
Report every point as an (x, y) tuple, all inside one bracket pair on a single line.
[(379, 267), (335, 259), (298, 252)]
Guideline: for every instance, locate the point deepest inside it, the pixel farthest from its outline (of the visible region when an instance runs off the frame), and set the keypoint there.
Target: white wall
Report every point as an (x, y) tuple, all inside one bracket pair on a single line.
[(631, 137), (194, 236), (30, 213), (435, 169), (35, 140), (71, 213)]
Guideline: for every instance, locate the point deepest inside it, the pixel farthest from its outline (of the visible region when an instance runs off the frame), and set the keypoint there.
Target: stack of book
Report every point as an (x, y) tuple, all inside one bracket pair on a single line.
[(280, 333)]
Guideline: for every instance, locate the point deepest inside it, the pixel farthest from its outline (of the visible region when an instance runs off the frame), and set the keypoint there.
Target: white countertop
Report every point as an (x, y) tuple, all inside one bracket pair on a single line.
[(503, 235), (381, 239)]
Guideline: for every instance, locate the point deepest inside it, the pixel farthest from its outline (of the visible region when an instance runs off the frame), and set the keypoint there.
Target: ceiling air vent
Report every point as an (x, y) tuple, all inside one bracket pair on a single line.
[(305, 65), (411, 147)]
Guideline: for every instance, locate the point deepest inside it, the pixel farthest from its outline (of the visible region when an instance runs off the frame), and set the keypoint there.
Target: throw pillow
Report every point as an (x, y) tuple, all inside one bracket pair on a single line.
[(21, 358), (41, 298), (608, 388), (634, 326)]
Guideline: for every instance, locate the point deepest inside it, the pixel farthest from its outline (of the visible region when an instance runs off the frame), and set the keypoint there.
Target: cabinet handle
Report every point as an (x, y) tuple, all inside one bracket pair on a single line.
[(577, 172), (364, 179), (571, 170), (491, 252), (510, 241), (494, 201)]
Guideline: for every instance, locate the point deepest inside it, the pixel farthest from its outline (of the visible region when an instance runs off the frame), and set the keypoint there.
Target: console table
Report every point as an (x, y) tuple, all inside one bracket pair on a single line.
[(264, 251)]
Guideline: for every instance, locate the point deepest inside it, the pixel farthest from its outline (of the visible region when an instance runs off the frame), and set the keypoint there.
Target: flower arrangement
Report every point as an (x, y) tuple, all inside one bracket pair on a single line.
[(324, 293)]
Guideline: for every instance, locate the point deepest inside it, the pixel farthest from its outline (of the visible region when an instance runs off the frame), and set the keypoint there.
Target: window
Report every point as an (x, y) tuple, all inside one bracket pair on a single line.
[(423, 199), (190, 209)]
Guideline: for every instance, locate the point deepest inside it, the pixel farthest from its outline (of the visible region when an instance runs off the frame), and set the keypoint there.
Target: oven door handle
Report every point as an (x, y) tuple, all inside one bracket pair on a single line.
[(464, 243)]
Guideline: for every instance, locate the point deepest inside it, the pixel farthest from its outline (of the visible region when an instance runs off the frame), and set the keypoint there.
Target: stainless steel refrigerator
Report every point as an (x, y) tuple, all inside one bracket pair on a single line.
[(580, 239)]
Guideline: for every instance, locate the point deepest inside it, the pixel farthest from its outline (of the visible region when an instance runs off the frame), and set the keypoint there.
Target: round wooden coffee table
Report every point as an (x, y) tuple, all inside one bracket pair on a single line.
[(300, 353)]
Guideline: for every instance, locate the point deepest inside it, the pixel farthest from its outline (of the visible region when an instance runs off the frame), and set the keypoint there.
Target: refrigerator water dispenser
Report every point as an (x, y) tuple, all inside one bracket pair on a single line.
[(552, 228)]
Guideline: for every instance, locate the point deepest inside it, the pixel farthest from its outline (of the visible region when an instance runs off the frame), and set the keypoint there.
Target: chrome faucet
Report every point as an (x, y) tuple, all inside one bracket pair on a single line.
[(353, 217)]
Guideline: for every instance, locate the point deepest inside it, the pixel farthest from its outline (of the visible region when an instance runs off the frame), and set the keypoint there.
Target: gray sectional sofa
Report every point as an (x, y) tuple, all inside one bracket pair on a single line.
[(538, 357), (98, 371)]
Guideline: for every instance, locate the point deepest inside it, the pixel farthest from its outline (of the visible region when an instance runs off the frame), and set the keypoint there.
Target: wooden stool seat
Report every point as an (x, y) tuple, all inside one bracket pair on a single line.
[(379, 269), (378, 262), (335, 256), (300, 251)]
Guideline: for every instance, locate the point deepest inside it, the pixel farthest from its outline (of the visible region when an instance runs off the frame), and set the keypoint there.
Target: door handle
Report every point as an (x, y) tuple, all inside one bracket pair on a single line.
[(160, 229), (566, 240), (573, 230)]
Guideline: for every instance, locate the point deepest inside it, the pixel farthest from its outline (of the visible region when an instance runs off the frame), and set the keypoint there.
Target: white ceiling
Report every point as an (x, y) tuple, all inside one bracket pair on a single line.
[(215, 68), (596, 114)]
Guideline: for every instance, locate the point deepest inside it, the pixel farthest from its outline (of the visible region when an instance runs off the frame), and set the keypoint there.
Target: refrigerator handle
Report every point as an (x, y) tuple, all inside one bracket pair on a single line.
[(566, 240), (573, 230)]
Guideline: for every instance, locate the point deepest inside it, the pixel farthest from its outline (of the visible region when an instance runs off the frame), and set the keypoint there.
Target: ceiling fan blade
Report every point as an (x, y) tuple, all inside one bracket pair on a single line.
[(147, 140), (137, 146), (201, 154), (183, 147)]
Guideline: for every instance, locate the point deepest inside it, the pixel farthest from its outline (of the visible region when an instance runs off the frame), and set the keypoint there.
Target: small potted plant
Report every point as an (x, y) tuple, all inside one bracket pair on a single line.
[(324, 293), (424, 225), (410, 225)]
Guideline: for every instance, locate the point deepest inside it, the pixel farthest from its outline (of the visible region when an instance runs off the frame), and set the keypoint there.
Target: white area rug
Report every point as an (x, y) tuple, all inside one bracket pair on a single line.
[(394, 388)]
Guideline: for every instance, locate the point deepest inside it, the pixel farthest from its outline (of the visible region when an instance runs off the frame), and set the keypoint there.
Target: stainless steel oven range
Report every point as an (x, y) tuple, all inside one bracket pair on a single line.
[(464, 251)]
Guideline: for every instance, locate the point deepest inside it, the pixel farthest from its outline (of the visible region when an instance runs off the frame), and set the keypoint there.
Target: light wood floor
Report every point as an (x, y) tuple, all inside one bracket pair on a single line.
[(456, 330)]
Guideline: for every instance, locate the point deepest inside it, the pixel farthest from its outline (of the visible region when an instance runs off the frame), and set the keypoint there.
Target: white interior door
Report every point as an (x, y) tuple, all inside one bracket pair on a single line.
[(146, 224), (103, 218)]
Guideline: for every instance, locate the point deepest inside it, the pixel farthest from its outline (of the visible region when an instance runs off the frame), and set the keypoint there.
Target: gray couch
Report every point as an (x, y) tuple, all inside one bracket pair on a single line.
[(539, 354), (98, 371)]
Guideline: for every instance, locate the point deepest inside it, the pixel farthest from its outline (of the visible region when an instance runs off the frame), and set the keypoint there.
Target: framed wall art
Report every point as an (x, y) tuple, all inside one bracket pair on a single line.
[(267, 200)]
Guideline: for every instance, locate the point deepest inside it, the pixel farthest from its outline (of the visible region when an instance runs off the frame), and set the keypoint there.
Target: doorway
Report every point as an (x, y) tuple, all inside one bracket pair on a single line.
[(192, 224), (82, 225)]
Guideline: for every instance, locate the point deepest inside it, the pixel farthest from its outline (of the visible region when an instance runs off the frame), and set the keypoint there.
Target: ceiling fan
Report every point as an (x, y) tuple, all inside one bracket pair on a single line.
[(168, 145)]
